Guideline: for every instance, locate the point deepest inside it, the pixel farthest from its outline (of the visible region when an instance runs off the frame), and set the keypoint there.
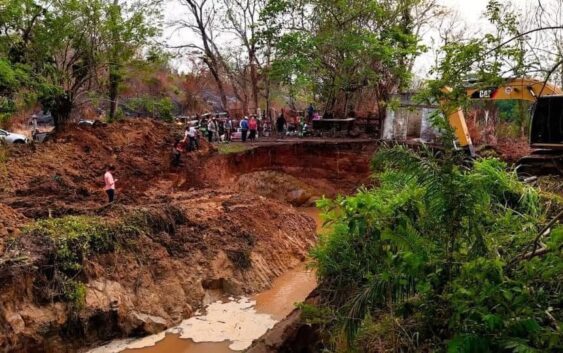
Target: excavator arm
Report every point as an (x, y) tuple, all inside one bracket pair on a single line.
[(518, 89)]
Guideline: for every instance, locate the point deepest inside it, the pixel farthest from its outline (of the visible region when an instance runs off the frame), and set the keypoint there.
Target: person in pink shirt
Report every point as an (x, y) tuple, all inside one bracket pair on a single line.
[(110, 183), (253, 127)]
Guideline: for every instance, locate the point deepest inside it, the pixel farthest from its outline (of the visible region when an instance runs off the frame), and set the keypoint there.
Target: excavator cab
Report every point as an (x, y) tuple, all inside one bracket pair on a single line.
[(547, 123)]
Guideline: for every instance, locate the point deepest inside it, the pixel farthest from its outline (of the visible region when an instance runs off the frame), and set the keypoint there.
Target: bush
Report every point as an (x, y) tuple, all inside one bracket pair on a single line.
[(71, 240), (443, 245), (161, 108)]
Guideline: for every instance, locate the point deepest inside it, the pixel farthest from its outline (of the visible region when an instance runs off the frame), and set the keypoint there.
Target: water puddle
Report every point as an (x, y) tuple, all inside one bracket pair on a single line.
[(230, 325)]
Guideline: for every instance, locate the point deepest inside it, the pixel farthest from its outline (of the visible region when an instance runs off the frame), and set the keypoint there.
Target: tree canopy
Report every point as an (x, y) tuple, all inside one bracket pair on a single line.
[(59, 50)]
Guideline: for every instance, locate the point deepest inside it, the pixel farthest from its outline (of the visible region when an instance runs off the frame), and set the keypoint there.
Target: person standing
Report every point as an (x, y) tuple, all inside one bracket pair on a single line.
[(281, 124), (244, 128), (253, 127), (310, 112), (186, 135), (176, 153), (221, 129), (34, 125), (192, 137), (110, 183), (210, 130), (216, 132), (228, 128)]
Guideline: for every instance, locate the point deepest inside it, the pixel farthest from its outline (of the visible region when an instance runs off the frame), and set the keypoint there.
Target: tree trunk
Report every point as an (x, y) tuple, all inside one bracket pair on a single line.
[(61, 109), (254, 79), (215, 73), (114, 67), (114, 79)]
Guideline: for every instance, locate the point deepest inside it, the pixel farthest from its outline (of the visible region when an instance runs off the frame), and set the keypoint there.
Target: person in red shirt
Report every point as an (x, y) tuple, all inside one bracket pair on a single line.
[(110, 183), (253, 127)]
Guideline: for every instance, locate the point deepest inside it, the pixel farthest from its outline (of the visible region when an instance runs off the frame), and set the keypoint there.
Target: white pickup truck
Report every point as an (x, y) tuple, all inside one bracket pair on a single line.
[(10, 137)]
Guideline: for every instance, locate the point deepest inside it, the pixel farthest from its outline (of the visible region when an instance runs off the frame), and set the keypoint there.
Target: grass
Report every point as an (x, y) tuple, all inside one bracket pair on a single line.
[(69, 242), (236, 147)]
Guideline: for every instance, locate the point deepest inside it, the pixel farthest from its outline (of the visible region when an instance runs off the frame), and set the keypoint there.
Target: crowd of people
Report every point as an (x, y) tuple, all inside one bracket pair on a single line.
[(223, 128), (220, 128)]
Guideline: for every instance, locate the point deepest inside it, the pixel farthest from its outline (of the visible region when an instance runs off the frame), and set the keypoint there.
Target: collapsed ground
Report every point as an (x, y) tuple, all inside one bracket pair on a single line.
[(69, 262)]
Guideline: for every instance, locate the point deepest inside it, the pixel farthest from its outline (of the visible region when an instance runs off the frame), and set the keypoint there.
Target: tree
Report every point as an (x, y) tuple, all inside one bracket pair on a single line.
[(437, 258), (202, 22), (67, 45), (342, 50), (242, 18), (129, 28), (18, 20)]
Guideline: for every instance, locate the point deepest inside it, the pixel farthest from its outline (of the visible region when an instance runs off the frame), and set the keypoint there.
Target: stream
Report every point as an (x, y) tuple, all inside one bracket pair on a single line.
[(229, 325)]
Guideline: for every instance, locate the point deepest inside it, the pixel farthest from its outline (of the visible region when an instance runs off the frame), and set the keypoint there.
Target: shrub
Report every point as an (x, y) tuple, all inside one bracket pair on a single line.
[(161, 108), (69, 241), (443, 245)]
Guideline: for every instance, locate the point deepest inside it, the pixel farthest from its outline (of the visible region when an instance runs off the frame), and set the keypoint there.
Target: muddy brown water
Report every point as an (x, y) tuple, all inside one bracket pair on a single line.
[(274, 304)]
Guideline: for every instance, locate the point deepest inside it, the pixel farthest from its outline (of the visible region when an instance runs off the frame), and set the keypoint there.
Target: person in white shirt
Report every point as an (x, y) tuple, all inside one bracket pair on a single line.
[(192, 136)]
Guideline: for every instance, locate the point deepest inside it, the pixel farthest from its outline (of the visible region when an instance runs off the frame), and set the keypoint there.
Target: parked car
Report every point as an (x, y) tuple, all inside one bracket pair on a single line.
[(10, 137), (86, 122)]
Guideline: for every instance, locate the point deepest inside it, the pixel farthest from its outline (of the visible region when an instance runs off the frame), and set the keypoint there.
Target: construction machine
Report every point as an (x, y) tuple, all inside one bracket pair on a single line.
[(546, 131)]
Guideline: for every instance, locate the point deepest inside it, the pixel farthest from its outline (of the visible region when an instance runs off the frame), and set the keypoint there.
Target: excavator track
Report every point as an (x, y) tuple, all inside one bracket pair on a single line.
[(542, 162)]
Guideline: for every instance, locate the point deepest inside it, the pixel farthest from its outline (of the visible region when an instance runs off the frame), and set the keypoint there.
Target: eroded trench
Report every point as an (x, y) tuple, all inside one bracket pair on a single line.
[(297, 174), (235, 254), (229, 324)]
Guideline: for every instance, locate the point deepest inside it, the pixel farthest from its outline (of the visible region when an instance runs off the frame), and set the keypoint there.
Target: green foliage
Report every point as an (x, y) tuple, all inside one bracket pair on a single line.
[(71, 240), (232, 148), (75, 293), (315, 315), (485, 62), (338, 48), (12, 78), (433, 243), (59, 50), (161, 108)]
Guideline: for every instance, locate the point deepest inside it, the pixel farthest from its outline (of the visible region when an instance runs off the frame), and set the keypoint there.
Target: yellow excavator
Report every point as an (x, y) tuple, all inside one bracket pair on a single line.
[(546, 129)]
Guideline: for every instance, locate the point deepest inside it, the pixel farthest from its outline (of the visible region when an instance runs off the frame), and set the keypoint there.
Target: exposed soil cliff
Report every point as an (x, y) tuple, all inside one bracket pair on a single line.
[(152, 278), (215, 222)]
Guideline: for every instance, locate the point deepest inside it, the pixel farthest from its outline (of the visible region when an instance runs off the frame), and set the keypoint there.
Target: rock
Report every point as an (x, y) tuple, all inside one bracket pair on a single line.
[(233, 287), (298, 197), (312, 202), (149, 324)]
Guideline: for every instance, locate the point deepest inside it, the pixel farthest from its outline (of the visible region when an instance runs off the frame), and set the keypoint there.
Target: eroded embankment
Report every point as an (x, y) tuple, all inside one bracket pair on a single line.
[(295, 172), (143, 265), (149, 275)]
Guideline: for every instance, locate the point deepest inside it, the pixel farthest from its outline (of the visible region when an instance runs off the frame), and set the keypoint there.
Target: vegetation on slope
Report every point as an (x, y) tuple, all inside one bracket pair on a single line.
[(440, 257), (70, 241)]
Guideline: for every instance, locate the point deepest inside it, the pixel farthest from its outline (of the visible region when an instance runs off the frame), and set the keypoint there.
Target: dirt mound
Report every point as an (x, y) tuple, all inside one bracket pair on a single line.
[(10, 217), (183, 229), (329, 167), (10, 221), (65, 176), (279, 186), (511, 150)]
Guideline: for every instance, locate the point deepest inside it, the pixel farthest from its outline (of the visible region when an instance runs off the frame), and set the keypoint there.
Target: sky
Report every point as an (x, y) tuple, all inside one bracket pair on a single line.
[(469, 11)]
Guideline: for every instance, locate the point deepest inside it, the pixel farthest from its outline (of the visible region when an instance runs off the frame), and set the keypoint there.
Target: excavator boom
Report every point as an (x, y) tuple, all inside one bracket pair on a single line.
[(517, 88)]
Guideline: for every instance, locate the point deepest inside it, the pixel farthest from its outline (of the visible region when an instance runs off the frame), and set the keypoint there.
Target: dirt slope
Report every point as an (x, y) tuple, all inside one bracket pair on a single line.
[(66, 175), (152, 281), (216, 222)]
